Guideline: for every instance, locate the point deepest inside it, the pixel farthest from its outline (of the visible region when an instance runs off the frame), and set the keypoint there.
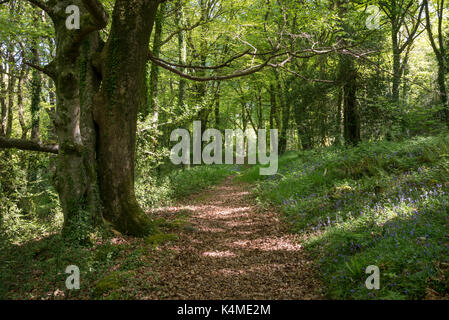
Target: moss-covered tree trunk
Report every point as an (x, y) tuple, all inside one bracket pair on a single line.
[(99, 88), (76, 82), (116, 109)]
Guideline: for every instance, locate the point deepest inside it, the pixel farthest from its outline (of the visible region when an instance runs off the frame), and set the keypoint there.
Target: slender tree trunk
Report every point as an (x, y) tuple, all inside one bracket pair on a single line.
[(396, 68), (36, 89), (351, 118), (217, 108), (154, 74), (274, 114), (442, 87), (3, 106), (340, 100), (348, 80), (182, 52), (284, 131), (260, 119), (11, 85), (439, 51), (22, 123), (285, 112), (351, 115)]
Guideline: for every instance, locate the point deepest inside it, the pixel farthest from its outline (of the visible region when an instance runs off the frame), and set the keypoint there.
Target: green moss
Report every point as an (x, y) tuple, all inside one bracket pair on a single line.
[(176, 224), (113, 281), (83, 67), (113, 62), (160, 238)]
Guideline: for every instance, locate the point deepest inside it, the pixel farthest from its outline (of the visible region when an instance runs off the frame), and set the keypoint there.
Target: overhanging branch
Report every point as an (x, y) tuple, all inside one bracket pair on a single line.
[(223, 65), (7, 143), (48, 69), (43, 5), (238, 74)]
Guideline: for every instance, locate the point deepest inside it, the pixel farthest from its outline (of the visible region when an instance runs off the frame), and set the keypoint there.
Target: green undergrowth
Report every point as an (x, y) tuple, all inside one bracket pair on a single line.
[(109, 269), (384, 204), (34, 255), (153, 192)]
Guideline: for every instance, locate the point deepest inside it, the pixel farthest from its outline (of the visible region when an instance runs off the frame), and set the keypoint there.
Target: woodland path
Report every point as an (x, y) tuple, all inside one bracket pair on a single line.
[(234, 251)]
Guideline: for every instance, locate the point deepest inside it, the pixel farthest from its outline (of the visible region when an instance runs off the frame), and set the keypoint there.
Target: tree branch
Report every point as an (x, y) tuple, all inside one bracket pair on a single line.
[(212, 78), (97, 11), (7, 143), (43, 5), (46, 69), (223, 65)]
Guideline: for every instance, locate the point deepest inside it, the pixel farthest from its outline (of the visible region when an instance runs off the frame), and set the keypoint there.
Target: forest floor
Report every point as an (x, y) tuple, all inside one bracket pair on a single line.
[(232, 250)]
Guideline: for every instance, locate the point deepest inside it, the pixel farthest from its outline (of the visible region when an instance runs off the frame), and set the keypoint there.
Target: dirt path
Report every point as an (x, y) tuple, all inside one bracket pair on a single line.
[(234, 251)]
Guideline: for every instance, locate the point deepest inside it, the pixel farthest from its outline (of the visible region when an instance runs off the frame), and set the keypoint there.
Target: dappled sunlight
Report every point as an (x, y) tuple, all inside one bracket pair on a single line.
[(219, 254), (265, 269), (210, 229), (268, 244), (237, 253), (228, 272), (244, 223)]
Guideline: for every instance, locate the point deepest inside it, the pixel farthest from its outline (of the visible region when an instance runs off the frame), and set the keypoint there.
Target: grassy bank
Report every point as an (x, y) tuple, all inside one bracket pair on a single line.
[(383, 204)]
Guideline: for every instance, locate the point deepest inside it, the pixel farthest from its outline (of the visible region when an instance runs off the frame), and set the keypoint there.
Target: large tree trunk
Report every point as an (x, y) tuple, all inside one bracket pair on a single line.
[(93, 80), (76, 177), (76, 82), (116, 110)]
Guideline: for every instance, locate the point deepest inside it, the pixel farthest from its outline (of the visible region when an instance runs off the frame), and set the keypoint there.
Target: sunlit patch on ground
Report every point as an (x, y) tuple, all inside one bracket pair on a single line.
[(219, 254), (268, 244)]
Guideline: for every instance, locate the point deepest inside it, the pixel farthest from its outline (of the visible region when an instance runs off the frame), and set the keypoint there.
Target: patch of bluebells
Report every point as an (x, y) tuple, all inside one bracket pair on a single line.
[(391, 218), (407, 229), (412, 206)]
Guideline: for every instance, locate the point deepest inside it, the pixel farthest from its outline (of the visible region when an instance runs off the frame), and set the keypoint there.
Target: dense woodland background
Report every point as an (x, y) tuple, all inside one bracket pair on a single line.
[(362, 113)]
